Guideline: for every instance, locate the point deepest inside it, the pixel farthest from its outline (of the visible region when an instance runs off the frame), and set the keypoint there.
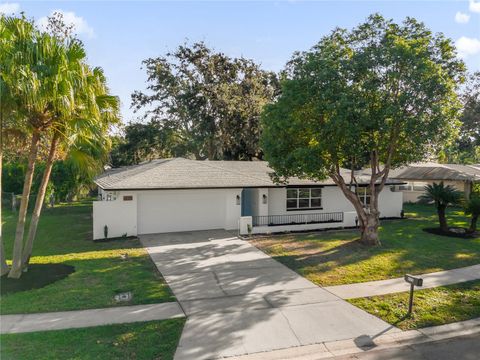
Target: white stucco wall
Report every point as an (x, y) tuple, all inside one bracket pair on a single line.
[(333, 200), (120, 216), (390, 203), (233, 211)]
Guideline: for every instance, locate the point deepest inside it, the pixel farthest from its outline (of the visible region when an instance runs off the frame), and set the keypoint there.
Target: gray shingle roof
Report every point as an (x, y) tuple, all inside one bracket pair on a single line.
[(179, 173), (434, 171)]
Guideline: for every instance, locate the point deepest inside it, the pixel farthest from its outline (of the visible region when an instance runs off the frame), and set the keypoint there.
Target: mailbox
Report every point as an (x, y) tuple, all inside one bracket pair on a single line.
[(415, 281)]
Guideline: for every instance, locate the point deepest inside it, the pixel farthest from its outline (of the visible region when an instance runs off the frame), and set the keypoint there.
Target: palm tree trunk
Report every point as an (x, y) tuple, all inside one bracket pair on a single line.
[(3, 262), (16, 270), (473, 223), (32, 231), (442, 218)]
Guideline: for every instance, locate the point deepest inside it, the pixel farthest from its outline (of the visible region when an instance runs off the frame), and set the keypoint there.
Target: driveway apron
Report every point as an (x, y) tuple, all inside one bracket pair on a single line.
[(239, 300)]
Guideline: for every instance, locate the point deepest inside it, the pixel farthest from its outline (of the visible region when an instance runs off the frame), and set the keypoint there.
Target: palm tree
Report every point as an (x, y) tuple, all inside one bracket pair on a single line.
[(37, 72), (14, 34), (79, 135), (442, 196), (472, 208), (63, 100)]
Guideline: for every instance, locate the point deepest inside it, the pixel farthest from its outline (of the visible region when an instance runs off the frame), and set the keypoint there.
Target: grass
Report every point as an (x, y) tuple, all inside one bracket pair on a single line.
[(64, 237), (437, 306), (146, 340), (335, 257)]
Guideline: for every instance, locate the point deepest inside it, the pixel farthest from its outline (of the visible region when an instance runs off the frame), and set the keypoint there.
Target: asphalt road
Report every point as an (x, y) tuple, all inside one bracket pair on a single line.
[(459, 348)]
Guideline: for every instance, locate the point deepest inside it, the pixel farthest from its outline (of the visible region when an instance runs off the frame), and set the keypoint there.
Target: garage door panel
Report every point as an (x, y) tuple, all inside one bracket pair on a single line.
[(180, 210)]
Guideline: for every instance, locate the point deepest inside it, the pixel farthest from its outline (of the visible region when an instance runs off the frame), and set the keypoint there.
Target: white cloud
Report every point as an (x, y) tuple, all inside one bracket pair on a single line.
[(467, 46), (79, 23), (462, 18), (9, 8), (474, 6)]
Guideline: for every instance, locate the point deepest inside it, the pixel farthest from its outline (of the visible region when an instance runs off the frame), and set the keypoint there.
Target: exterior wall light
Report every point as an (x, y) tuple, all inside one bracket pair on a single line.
[(264, 199), (238, 200)]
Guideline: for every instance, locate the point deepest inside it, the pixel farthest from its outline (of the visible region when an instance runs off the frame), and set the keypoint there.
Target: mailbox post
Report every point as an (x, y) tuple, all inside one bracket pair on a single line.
[(413, 281)]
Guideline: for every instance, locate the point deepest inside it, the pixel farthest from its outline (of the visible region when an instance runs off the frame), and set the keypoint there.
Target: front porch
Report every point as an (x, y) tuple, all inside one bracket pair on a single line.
[(296, 222), (296, 219)]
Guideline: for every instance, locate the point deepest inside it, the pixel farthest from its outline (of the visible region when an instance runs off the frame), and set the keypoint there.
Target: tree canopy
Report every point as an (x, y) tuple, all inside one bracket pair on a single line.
[(465, 148), (381, 95), (210, 102)]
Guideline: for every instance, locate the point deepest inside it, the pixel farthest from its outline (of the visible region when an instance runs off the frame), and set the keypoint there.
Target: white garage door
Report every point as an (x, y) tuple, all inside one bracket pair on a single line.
[(180, 210)]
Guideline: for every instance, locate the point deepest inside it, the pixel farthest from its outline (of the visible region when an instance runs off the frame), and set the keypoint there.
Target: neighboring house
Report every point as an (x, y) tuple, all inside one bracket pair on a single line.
[(417, 176), (169, 195)]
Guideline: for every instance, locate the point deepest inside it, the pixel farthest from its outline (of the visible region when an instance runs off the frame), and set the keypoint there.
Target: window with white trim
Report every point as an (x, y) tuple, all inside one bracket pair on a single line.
[(364, 194), (304, 198)]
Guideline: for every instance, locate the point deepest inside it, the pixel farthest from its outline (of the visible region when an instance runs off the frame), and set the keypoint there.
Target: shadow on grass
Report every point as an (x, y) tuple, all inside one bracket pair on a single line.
[(338, 257), (93, 284), (37, 276)]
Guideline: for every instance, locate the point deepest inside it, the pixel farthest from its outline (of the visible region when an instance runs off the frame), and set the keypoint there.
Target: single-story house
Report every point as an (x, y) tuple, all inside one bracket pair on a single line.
[(169, 195), (417, 176)]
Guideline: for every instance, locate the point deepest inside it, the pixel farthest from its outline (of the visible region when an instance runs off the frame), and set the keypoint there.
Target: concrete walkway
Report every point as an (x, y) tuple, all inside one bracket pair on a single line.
[(239, 300), (382, 287), (357, 348), (87, 318)]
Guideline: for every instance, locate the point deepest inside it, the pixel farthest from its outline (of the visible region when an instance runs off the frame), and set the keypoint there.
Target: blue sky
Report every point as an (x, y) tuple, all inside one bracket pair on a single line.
[(120, 34)]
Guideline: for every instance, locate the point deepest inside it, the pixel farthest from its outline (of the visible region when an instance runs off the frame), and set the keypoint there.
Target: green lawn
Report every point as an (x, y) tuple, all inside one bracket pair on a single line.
[(146, 340), (64, 237), (437, 306), (334, 257)]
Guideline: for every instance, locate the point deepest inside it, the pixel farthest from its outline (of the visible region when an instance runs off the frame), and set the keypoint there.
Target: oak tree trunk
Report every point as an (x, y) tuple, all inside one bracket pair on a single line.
[(32, 231), (16, 270), (369, 229)]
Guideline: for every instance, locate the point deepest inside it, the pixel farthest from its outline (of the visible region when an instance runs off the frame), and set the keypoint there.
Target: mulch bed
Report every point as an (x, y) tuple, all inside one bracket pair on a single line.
[(37, 276), (460, 235)]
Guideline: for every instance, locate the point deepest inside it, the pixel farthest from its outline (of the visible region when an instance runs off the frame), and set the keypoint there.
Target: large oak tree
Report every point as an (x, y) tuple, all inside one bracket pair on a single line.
[(380, 96), (211, 102)]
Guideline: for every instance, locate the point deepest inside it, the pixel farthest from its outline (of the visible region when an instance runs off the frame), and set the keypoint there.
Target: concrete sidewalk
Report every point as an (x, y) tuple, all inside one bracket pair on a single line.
[(239, 300), (357, 348), (382, 287), (87, 318)]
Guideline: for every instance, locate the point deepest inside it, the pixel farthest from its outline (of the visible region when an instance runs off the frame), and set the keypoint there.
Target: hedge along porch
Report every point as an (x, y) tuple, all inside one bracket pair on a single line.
[(170, 195)]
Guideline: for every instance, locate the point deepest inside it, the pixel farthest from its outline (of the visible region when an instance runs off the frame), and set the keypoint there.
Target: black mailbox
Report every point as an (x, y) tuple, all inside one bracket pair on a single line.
[(416, 281), (413, 281)]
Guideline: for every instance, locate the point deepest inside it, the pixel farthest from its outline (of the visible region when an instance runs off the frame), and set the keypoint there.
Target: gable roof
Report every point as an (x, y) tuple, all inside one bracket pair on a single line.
[(180, 173), (434, 171)]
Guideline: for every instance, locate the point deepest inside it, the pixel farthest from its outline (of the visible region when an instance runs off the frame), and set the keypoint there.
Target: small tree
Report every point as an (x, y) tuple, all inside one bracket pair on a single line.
[(382, 96), (442, 196), (472, 208)]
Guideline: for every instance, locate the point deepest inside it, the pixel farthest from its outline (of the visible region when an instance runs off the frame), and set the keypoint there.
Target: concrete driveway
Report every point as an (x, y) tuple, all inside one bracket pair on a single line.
[(239, 300)]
